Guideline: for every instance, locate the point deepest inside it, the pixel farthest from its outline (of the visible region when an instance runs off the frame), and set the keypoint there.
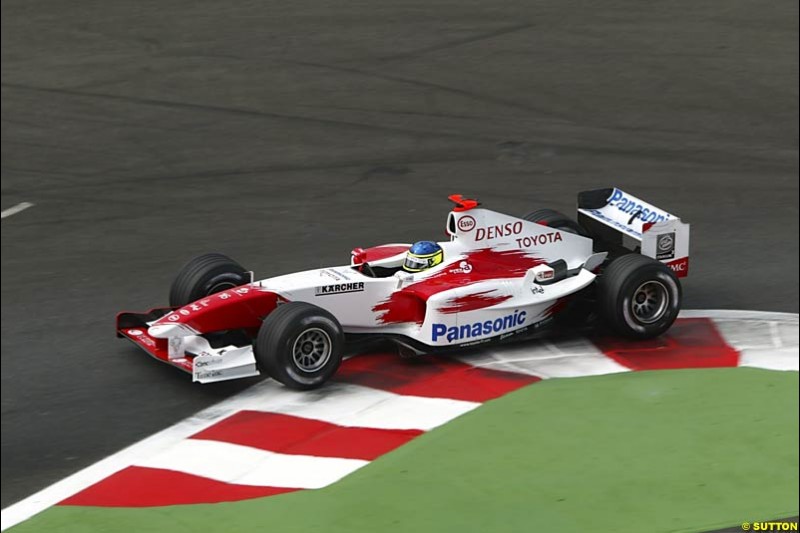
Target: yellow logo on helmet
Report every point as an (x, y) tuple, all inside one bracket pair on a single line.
[(418, 262)]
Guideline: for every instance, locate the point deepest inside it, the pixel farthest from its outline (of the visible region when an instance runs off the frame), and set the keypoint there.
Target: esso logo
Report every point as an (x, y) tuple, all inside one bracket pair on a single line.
[(466, 223), (666, 243)]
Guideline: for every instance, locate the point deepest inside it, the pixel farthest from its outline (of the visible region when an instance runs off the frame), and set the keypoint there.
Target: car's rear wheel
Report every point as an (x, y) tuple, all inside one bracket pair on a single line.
[(300, 345), (555, 219), (638, 297), (205, 275)]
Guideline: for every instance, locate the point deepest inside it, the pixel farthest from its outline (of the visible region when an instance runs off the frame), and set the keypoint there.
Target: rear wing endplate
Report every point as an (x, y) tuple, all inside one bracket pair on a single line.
[(623, 221)]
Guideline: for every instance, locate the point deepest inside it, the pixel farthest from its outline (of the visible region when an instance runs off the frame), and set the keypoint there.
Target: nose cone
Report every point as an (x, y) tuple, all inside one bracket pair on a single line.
[(165, 331)]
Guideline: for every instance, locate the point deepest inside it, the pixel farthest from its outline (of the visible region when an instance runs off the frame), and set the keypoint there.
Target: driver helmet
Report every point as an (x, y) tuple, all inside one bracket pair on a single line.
[(423, 255)]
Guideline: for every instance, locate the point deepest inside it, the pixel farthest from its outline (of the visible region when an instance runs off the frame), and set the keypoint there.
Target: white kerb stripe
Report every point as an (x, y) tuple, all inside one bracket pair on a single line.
[(770, 344), (356, 406), (737, 314), (562, 358), (243, 465)]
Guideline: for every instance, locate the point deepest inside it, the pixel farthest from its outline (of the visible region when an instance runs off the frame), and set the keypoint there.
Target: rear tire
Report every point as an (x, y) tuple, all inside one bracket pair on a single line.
[(638, 297), (555, 219), (206, 275), (300, 345)]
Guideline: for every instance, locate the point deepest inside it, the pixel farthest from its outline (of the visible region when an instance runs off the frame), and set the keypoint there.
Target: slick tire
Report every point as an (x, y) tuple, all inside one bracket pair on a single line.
[(554, 219), (300, 345), (205, 275), (638, 297)]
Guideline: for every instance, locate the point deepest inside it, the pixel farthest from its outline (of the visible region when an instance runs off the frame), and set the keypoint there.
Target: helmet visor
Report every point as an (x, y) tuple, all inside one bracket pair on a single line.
[(414, 263)]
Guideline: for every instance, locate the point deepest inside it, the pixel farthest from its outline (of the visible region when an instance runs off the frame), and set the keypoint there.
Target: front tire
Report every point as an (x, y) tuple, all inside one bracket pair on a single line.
[(638, 296), (206, 275), (300, 345)]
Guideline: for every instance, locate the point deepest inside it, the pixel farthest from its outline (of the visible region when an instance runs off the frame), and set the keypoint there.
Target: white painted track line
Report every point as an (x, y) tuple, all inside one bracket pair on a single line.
[(360, 406), (16, 209), (243, 465)]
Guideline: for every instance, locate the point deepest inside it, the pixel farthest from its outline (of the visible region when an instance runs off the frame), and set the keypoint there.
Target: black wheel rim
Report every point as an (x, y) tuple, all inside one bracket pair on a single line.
[(311, 350), (650, 302)]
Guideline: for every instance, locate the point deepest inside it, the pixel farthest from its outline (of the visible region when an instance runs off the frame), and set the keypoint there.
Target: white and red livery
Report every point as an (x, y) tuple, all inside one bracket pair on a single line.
[(502, 277)]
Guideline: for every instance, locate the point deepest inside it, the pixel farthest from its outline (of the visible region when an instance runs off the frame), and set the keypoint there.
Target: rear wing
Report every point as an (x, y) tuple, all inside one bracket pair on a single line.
[(627, 224)]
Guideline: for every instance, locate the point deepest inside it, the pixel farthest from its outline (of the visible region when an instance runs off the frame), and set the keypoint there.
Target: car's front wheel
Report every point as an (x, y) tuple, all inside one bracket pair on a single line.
[(638, 296), (300, 345), (204, 275)]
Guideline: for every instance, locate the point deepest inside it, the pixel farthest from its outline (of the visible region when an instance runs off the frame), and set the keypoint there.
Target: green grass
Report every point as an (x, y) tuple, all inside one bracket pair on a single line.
[(650, 451)]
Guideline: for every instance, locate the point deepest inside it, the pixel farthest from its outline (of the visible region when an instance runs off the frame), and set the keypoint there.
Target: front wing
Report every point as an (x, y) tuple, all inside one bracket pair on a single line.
[(193, 354)]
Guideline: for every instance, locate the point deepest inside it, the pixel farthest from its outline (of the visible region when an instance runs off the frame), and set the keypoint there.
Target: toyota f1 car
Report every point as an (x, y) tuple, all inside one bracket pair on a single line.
[(502, 278)]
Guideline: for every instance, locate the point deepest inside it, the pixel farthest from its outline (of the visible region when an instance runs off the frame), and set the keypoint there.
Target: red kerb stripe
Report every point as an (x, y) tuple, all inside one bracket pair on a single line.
[(137, 486), (302, 436), (690, 343)]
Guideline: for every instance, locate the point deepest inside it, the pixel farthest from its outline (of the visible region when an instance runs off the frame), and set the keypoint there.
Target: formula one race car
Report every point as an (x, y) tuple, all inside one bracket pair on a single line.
[(498, 278)]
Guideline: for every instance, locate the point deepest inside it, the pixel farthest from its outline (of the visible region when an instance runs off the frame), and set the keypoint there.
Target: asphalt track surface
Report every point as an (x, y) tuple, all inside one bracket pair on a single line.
[(285, 134)]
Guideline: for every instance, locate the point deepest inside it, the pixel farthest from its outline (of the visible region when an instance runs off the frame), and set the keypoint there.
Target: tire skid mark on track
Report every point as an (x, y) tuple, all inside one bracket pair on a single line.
[(269, 440), (236, 111)]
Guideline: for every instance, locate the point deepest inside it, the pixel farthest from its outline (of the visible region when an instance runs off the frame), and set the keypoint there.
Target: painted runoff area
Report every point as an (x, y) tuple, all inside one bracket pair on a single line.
[(563, 454)]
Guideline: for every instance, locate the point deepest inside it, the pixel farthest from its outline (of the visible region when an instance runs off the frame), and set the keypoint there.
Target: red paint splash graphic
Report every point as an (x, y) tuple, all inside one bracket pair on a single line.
[(400, 308), (484, 264), (472, 302)]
